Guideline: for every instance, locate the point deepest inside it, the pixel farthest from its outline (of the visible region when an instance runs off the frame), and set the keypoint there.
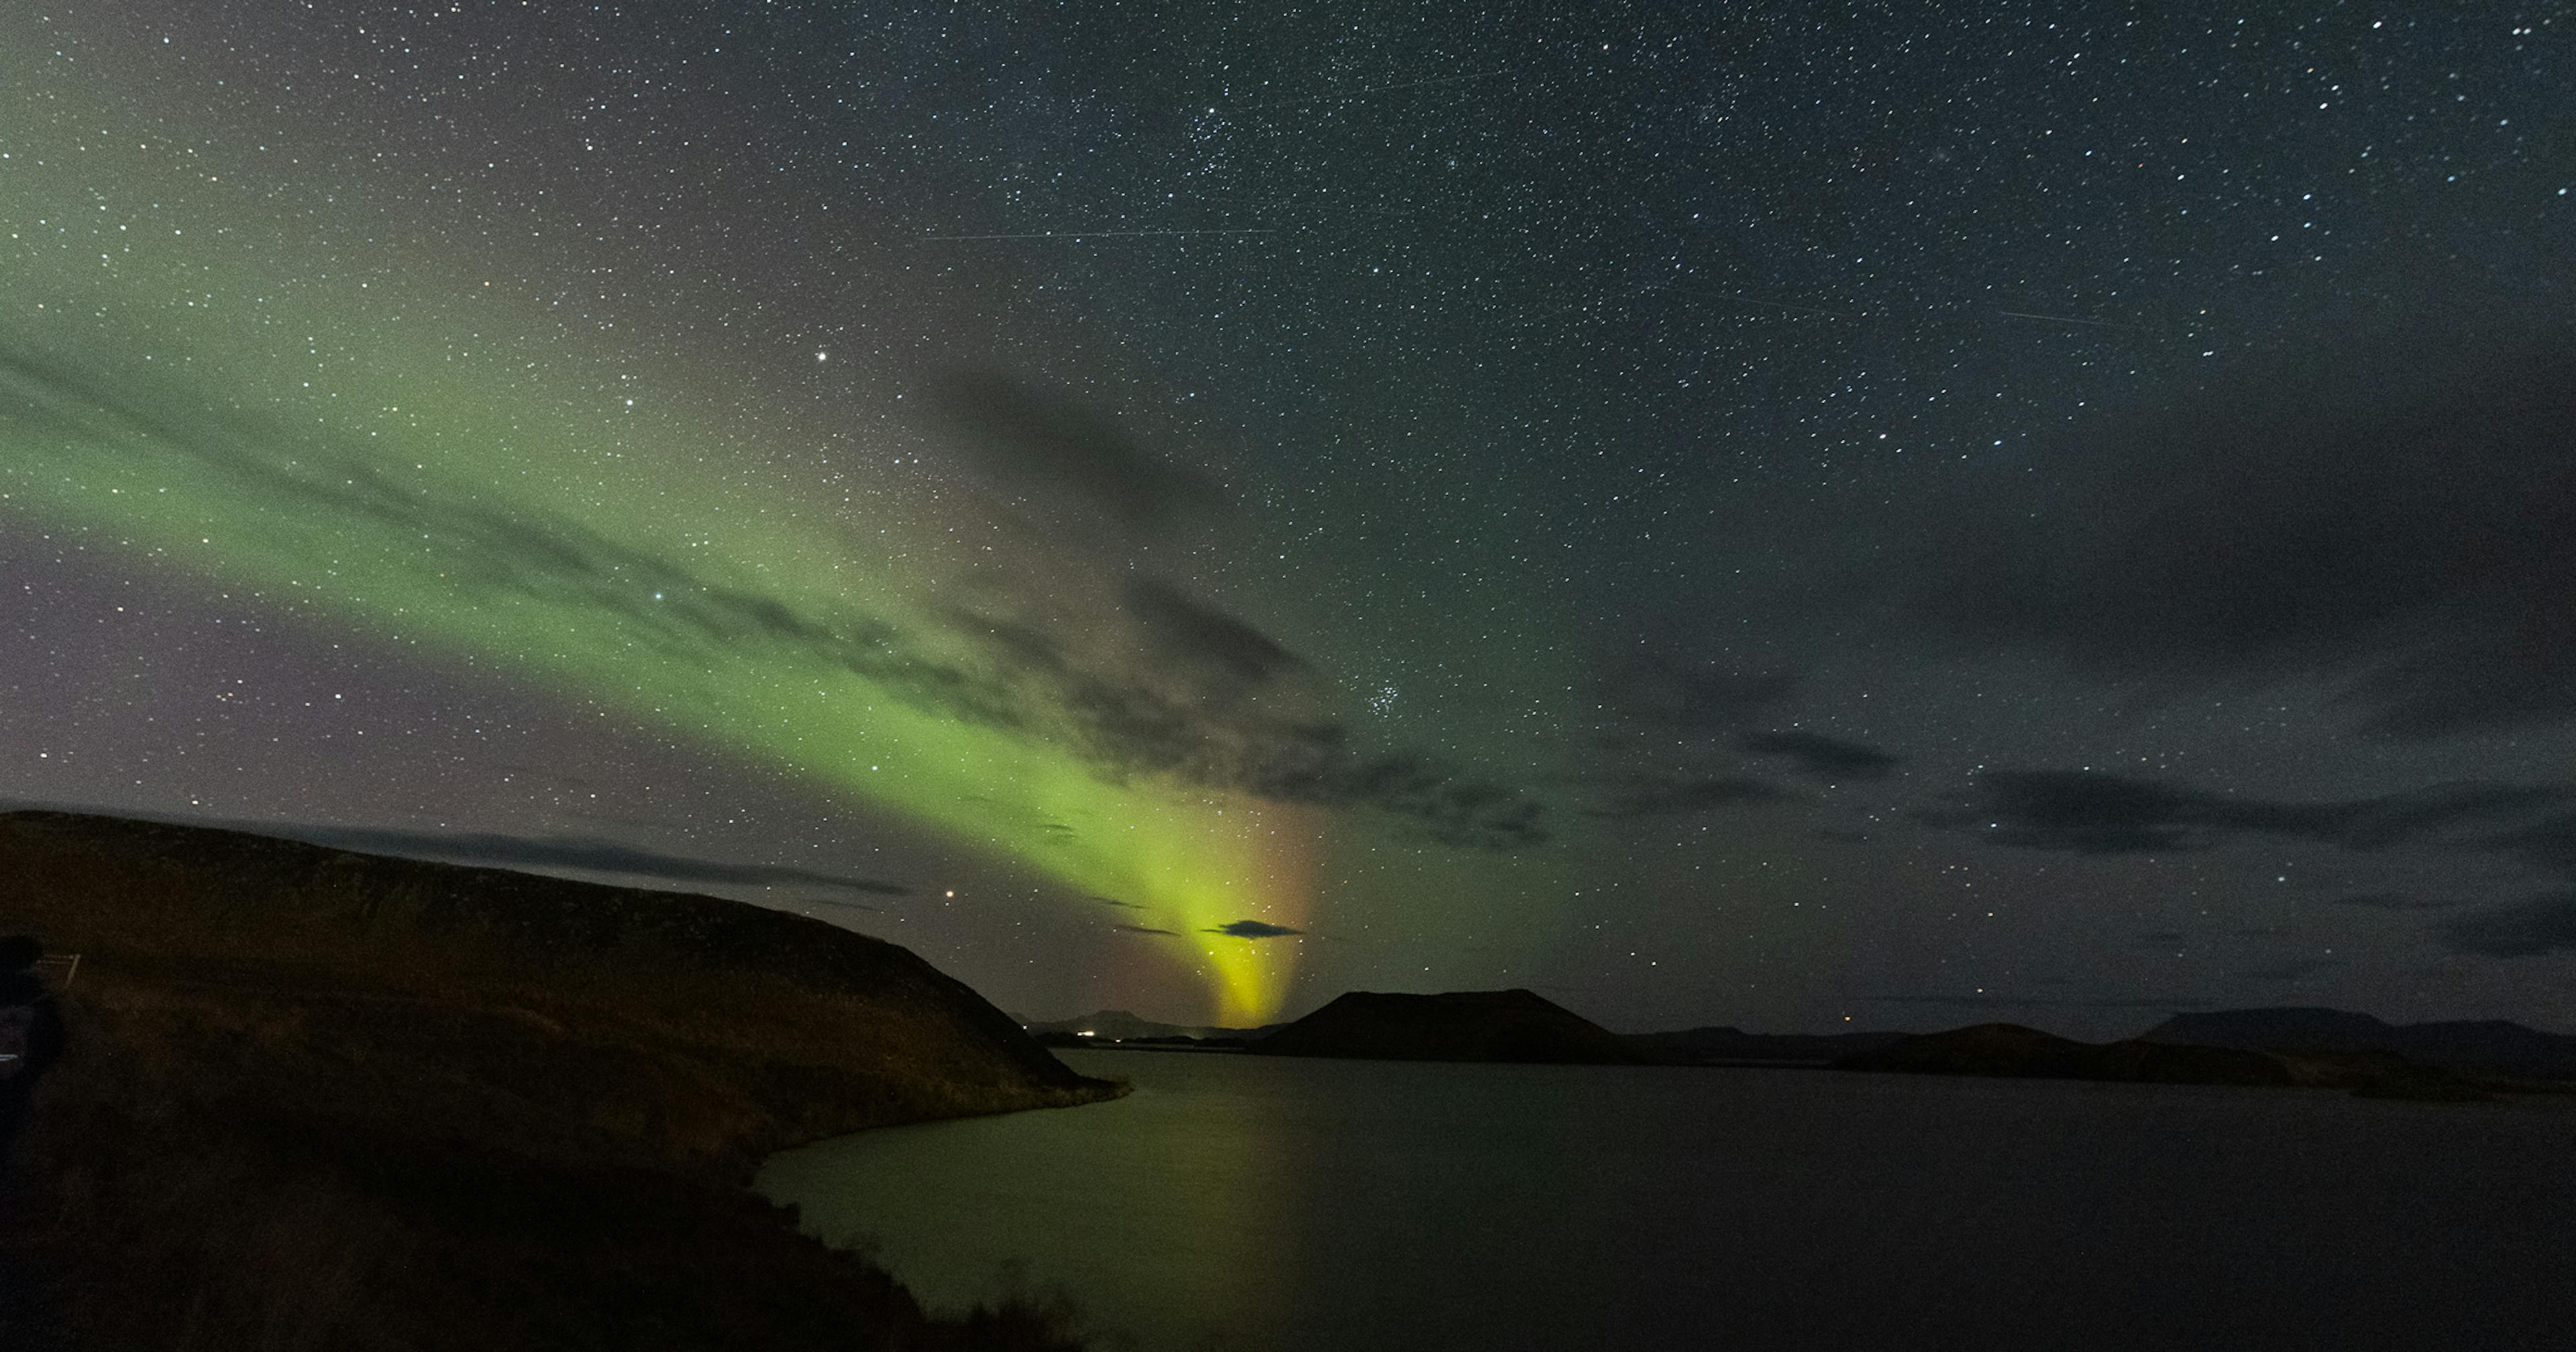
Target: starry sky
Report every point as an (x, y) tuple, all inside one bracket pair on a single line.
[(1794, 516)]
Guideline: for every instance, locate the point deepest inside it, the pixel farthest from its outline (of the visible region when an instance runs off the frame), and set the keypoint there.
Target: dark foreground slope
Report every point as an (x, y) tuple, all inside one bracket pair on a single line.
[(321, 1099), (1513, 1025)]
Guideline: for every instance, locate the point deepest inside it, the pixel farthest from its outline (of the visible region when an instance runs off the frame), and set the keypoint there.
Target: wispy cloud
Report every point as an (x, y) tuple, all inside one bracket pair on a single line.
[(2091, 812), (1676, 797), (1821, 756)]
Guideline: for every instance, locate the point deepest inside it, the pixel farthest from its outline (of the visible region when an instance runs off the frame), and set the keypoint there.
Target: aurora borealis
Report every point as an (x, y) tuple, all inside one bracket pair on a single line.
[(1772, 519), (471, 509)]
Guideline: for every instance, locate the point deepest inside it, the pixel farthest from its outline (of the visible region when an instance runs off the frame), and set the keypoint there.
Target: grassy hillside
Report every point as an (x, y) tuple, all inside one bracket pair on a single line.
[(321, 1099)]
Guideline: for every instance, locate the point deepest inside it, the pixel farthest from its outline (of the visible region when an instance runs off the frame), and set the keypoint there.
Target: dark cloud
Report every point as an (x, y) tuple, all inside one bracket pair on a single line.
[(2542, 924), (568, 852), (2293, 969), (1204, 699), (1193, 631), (1680, 796), (2392, 901), (2090, 812), (1253, 929), (2086, 812), (1449, 807), (1143, 929), (1037, 444), (2548, 845), (2414, 813), (843, 903), (1203, 724), (1122, 905), (1821, 756), (1662, 685), (2403, 527)]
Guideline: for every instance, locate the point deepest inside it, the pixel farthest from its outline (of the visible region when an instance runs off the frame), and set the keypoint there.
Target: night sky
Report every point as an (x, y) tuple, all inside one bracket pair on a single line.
[(1770, 515)]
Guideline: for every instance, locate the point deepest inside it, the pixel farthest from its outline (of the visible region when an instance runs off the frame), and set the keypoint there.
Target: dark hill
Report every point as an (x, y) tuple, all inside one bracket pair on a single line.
[(1513, 1025), (2007, 1049), (2491, 1046), (318, 1098)]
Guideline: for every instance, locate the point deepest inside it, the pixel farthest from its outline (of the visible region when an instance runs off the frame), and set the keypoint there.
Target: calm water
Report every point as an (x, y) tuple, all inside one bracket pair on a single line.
[(1243, 1202)]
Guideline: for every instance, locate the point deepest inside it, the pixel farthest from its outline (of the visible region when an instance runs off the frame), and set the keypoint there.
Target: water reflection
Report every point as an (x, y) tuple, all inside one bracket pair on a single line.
[(1254, 1203)]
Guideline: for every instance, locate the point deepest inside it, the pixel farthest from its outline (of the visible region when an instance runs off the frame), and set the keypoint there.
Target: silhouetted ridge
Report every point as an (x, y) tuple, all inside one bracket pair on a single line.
[(135, 888), (2493, 1046), (2009, 1049), (1512, 1025), (314, 1098)]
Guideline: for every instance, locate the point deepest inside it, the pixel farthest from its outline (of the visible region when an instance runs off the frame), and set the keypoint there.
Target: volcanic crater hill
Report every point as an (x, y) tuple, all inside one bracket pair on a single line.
[(1511, 1025), (319, 1098)]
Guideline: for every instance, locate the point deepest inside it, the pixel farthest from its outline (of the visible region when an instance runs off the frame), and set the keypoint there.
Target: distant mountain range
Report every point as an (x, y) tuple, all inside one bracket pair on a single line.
[(1117, 1025), (2490, 1046), (2010, 1050), (2299, 1045)]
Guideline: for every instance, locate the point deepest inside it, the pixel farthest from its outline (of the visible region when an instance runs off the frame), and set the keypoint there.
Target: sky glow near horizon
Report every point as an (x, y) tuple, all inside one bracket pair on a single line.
[(1771, 518)]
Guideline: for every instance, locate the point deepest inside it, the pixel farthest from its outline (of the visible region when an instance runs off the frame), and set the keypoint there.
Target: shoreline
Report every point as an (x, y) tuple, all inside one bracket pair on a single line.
[(154, 1205)]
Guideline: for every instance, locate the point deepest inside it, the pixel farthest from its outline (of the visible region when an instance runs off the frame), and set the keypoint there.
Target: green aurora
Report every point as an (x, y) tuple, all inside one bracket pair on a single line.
[(379, 438)]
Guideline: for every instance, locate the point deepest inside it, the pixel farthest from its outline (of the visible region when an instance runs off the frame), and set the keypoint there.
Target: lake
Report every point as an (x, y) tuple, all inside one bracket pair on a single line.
[(1237, 1202)]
